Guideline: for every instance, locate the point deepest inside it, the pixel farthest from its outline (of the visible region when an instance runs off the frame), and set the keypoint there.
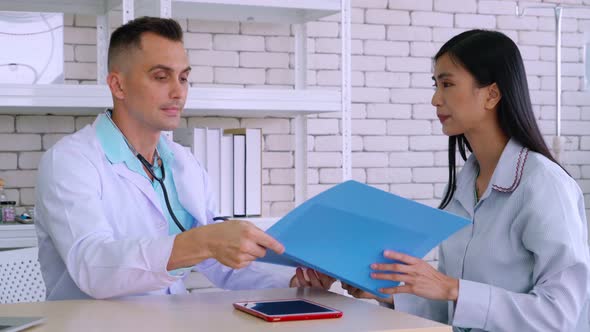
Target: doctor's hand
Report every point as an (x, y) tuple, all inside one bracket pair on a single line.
[(236, 243), (419, 278), (311, 278)]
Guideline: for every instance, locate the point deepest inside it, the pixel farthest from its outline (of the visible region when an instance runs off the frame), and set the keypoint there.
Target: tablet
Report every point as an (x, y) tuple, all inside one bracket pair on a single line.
[(13, 324), (287, 310)]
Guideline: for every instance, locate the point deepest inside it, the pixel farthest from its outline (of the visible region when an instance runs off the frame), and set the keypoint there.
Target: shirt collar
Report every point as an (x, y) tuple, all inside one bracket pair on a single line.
[(506, 177), (115, 147), (510, 168)]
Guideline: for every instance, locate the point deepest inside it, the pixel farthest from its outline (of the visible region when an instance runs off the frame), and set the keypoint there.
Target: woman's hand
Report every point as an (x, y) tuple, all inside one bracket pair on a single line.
[(361, 294), (311, 278), (419, 278)]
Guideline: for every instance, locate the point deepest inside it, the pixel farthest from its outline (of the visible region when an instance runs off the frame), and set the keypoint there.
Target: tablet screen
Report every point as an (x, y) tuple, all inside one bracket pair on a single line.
[(288, 307)]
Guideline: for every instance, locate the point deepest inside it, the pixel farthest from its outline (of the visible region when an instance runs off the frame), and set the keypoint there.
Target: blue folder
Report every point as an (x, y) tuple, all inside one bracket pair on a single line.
[(343, 230)]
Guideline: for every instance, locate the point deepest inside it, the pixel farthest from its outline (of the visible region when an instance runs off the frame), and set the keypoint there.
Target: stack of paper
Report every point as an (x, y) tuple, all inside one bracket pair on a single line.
[(345, 229)]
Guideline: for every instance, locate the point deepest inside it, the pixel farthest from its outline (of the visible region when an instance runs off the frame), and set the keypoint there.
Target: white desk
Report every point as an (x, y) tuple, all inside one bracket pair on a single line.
[(213, 312)]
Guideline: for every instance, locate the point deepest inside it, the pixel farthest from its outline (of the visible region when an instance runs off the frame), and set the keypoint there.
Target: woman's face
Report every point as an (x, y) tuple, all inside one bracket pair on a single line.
[(460, 103)]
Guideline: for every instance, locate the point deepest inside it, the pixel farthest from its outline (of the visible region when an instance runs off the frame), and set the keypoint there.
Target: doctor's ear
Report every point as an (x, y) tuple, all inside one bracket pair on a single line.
[(494, 96), (115, 83)]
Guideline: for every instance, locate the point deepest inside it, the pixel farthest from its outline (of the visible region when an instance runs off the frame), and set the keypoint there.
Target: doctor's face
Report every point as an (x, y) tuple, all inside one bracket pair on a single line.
[(155, 85)]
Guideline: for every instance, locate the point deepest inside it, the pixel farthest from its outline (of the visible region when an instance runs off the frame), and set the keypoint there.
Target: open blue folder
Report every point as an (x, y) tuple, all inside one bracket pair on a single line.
[(343, 230)]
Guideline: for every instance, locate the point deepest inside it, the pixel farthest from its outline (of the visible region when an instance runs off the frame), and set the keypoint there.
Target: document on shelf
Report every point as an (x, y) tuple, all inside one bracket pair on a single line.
[(345, 229)]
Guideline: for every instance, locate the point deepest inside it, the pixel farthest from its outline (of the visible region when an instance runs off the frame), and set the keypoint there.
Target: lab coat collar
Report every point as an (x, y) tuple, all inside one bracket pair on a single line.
[(116, 149)]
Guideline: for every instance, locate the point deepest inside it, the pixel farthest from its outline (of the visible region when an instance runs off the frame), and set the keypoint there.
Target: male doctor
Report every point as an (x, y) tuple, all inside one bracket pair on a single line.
[(113, 198)]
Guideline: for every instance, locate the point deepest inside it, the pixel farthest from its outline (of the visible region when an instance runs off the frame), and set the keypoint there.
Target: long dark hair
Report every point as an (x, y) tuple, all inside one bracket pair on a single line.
[(491, 57)]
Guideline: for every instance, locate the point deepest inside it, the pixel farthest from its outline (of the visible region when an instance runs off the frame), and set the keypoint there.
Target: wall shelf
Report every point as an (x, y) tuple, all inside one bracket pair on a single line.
[(84, 7), (91, 99), (272, 11)]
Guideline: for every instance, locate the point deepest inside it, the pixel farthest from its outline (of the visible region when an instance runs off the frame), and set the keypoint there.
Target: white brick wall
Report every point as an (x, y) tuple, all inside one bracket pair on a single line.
[(239, 76), (455, 6), (214, 58), (334, 45), (387, 48), (213, 27), (49, 140), (387, 17), (29, 160), (389, 175), (85, 53), (42, 124), (430, 175), (411, 4), (397, 140), (409, 33), (472, 21), (6, 124), (388, 80), (496, 7), (8, 160), (431, 19), (385, 143), (264, 60), (238, 43), (20, 142), (334, 143), (198, 41), (389, 111)]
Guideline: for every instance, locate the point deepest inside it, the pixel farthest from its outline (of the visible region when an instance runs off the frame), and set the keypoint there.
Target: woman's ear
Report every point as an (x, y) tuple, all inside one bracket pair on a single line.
[(494, 96)]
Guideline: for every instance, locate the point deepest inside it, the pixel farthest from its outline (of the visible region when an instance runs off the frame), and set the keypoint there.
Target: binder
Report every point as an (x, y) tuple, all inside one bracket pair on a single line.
[(196, 140), (226, 175), (239, 182), (213, 145), (343, 230), (253, 169), (253, 172)]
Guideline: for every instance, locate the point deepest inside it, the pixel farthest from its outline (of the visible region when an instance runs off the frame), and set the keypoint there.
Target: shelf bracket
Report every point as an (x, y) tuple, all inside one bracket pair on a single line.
[(102, 45), (346, 91), (300, 120)]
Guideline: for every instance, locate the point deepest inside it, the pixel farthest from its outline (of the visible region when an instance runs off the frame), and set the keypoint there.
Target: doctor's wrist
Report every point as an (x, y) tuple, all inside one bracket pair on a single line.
[(201, 240), (189, 249)]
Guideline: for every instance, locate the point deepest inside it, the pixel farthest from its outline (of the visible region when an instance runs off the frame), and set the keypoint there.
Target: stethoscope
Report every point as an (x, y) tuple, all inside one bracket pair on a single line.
[(150, 168)]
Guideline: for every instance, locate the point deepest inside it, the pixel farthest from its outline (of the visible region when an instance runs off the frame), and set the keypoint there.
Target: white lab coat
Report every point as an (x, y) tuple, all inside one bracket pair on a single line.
[(102, 232)]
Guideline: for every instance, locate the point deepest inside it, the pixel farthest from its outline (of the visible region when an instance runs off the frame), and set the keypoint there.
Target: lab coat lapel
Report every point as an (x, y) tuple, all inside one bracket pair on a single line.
[(190, 188), (141, 183)]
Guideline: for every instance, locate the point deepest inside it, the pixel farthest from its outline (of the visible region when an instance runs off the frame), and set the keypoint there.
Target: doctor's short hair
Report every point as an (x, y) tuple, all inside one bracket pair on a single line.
[(128, 36)]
